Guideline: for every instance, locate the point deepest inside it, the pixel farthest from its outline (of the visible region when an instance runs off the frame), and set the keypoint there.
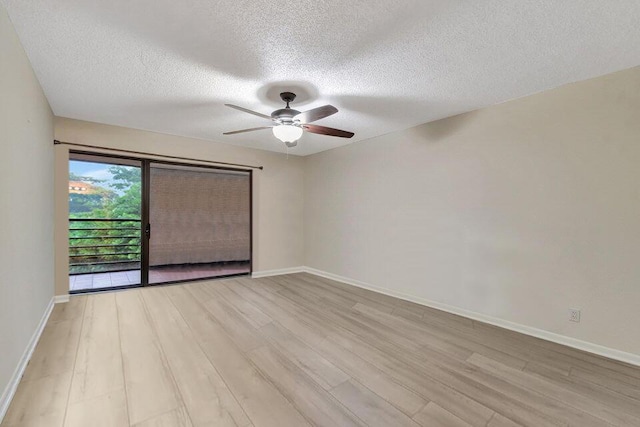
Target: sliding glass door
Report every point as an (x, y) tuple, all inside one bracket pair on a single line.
[(134, 222), (199, 223)]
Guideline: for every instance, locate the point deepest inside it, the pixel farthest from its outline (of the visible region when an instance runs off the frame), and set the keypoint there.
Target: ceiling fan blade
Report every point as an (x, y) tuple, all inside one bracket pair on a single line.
[(323, 130), (255, 113), (316, 114), (247, 130)]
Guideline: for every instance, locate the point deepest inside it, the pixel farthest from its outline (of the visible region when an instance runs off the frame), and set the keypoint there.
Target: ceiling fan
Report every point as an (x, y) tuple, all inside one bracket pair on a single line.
[(289, 124)]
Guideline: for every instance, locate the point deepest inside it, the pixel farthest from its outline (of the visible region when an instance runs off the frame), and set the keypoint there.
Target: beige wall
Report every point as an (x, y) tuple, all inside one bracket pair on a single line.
[(277, 190), (519, 211), (26, 220)]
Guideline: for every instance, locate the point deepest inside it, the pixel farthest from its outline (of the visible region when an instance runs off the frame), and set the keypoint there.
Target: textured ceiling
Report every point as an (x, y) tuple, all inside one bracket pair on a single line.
[(169, 65)]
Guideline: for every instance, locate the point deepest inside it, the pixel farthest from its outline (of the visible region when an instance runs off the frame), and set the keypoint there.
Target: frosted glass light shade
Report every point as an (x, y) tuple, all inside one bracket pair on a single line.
[(287, 133)]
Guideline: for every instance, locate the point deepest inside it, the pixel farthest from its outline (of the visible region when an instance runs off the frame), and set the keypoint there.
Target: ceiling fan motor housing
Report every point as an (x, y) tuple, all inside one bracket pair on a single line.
[(285, 115)]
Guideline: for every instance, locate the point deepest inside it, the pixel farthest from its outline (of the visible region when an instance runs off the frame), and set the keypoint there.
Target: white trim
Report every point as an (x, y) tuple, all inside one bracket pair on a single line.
[(61, 299), (267, 273), (10, 390), (600, 350)]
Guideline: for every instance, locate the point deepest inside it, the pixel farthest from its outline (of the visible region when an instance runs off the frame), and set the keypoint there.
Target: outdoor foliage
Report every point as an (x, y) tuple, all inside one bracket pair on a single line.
[(109, 242)]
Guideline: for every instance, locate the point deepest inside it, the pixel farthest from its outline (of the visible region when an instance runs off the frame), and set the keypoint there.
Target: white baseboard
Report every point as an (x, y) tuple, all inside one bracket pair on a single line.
[(10, 389), (267, 273), (633, 359), (61, 299)]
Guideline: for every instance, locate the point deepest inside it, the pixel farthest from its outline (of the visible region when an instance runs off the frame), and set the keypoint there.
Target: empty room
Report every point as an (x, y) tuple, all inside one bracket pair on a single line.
[(331, 213)]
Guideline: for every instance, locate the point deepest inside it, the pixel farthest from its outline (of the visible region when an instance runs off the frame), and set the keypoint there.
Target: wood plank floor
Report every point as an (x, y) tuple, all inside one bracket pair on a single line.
[(299, 350)]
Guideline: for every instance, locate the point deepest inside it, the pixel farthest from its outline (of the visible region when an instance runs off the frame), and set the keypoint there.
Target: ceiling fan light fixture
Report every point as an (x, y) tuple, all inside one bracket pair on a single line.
[(287, 133)]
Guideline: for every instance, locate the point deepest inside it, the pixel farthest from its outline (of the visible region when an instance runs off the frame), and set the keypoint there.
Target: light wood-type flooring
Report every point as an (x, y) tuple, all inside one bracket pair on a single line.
[(299, 350)]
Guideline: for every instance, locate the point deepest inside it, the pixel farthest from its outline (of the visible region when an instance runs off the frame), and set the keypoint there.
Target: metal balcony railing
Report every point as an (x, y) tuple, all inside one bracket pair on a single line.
[(103, 245)]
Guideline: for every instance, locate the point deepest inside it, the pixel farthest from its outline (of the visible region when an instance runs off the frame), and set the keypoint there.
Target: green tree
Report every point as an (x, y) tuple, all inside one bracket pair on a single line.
[(127, 205), (124, 176)]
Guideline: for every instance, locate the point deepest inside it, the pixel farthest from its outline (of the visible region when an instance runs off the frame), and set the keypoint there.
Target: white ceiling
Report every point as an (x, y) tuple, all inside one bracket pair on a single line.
[(170, 65)]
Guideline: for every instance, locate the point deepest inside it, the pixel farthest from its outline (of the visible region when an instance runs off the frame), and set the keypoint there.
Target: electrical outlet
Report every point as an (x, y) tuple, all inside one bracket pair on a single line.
[(574, 315)]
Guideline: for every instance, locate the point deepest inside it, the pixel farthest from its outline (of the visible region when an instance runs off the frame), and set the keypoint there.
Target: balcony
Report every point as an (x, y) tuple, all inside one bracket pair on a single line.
[(103, 245), (105, 253)]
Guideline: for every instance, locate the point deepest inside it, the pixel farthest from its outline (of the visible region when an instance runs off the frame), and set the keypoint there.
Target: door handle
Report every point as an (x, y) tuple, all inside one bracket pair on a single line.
[(147, 231)]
